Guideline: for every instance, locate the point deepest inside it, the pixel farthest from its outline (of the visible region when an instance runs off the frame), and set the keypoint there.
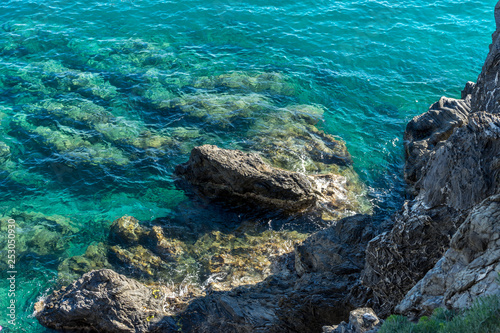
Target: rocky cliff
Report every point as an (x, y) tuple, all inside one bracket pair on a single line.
[(452, 167)]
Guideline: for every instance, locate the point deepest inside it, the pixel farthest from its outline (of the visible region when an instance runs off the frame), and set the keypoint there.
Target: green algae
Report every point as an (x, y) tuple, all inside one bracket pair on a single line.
[(271, 82), (36, 234)]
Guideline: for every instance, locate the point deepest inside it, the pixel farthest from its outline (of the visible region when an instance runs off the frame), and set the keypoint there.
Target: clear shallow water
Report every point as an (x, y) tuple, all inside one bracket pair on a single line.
[(367, 66)]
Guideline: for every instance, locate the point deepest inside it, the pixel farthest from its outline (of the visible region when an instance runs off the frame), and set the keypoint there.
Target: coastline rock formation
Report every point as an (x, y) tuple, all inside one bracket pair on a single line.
[(452, 165), (244, 178), (469, 269), (303, 293), (453, 168)]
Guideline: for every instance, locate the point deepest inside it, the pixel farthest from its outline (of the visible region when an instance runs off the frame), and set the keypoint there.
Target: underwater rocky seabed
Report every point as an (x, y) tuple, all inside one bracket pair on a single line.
[(91, 132)]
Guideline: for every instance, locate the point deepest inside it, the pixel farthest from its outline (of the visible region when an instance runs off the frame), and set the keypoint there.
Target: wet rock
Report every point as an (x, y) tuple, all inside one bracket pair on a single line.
[(4, 152), (94, 258), (245, 178), (138, 260), (127, 230), (285, 301), (468, 269), (167, 248), (239, 259), (37, 234), (103, 301), (275, 83)]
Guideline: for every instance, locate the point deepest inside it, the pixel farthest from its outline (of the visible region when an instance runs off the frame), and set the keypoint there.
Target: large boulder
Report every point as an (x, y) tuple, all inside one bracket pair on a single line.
[(104, 301), (469, 269), (244, 178)]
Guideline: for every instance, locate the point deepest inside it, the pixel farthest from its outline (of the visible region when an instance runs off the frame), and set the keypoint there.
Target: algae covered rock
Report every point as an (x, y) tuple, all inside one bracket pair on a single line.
[(38, 234)]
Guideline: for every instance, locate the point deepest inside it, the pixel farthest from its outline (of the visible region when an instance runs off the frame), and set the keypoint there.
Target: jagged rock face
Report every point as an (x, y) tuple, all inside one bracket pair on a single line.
[(463, 171), (486, 95), (397, 260), (425, 131), (469, 269), (453, 164), (458, 173), (103, 301), (244, 178)]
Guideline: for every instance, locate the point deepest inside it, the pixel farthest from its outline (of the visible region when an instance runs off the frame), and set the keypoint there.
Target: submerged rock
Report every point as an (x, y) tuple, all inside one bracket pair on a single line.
[(245, 178), (37, 234)]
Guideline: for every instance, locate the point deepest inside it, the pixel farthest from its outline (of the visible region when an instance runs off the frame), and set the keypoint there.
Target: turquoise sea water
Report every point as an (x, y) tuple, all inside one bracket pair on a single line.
[(99, 100)]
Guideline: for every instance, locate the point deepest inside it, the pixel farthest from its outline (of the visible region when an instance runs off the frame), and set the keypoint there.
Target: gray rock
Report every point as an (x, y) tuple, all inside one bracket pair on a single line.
[(103, 301), (486, 95), (338, 249), (469, 269), (361, 320), (453, 165), (460, 173), (425, 131), (244, 178)]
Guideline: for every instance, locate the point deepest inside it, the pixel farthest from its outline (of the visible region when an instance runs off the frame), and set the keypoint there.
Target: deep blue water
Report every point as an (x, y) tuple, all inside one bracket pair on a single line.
[(99, 100)]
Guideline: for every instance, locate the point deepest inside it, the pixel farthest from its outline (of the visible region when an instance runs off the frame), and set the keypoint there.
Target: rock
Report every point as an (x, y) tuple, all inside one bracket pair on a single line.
[(462, 172), (453, 165), (283, 301), (459, 174), (338, 249), (469, 269), (127, 230), (361, 320), (95, 257), (167, 248), (485, 95), (103, 301), (245, 178), (425, 131)]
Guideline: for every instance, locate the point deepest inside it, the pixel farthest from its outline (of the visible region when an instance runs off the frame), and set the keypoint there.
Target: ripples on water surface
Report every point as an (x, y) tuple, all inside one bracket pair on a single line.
[(88, 135)]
